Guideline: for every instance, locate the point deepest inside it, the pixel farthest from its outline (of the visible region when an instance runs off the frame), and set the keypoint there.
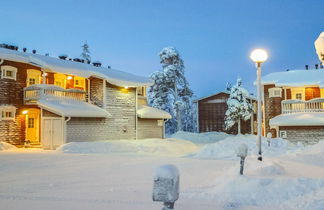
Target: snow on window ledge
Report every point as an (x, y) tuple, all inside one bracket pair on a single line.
[(275, 92), (7, 112), (8, 72)]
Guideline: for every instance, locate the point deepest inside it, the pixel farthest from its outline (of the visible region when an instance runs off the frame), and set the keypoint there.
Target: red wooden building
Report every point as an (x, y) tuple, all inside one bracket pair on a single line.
[(211, 114)]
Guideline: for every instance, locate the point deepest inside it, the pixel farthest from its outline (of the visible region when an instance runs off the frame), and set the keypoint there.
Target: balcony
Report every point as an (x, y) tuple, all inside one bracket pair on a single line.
[(299, 106), (34, 93)]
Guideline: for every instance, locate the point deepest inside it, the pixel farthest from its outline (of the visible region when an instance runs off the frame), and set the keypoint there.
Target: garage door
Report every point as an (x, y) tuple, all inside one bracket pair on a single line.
[(52, 133)]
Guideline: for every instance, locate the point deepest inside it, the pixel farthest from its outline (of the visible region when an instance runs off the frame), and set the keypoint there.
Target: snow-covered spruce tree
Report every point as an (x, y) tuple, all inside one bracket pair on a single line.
[(238, 107), (171, 92), (85, 53)]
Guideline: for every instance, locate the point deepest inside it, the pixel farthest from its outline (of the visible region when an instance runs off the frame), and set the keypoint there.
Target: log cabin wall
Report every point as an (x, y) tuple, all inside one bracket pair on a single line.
[(211, 115), (11, 93)]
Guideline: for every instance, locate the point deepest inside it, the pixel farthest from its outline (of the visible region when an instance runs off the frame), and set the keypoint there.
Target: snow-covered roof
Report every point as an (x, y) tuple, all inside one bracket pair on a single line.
[(295, 78), (52, 64), (298, 119), (214, 94), (152, 113), (72, 108)]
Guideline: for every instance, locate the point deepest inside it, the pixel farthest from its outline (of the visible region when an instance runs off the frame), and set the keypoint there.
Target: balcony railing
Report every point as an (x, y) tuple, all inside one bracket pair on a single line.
[(36, 92), (297, 106)]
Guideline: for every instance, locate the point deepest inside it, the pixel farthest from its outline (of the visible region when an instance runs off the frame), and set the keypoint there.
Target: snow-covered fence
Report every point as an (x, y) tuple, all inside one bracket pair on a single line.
[(36, 92), (295, 106), (166, 185)]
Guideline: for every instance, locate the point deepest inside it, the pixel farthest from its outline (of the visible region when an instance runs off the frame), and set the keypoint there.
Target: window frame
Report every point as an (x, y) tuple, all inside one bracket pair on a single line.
[(7, 109), (5, 69), (272, 92)]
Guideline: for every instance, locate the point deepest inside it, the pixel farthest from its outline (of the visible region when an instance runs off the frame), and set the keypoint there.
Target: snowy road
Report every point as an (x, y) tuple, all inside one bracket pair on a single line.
[(118, 175), (40, 180)]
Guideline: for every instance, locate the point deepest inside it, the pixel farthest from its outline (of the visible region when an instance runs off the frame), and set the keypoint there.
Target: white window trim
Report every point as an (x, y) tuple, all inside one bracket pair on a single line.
[(273, 92), (8, 108), (4, 69)]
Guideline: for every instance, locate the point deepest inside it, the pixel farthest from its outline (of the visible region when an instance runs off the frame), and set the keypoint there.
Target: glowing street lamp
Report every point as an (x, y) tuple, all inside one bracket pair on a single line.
[(259, 56)]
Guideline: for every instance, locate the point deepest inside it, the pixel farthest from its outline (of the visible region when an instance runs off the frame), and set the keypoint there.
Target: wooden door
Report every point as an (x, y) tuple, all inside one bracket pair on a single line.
[(52, 133), (32, 126)]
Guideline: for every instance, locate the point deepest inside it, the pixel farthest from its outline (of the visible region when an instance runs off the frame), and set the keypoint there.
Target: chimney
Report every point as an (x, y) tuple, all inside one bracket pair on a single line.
[(96, 64), (306, 66), (34, 51), (63, 56), (316, 66), (24, 49)]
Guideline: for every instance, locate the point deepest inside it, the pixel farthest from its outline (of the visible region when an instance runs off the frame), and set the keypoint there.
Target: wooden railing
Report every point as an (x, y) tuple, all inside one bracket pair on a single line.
[(297, 106), (36, 92)]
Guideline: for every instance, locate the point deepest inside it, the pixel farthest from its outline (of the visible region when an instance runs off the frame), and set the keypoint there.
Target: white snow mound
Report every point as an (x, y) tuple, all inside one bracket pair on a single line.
[(225, 149), (6, 146), (200, 138), (170, 147)]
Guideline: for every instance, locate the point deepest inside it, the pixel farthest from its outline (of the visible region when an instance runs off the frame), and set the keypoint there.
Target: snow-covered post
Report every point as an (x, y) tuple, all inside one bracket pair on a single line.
[(259, 56), (166, 185), (241, 152), (269, 136)]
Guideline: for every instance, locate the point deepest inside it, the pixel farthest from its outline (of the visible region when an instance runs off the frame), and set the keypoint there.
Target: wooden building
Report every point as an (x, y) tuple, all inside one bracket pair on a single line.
[(49, 101), (294, 105), (211, 114)]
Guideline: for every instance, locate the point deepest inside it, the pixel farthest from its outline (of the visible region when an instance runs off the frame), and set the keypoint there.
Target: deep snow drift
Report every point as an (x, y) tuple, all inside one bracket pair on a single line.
[(120, 174)]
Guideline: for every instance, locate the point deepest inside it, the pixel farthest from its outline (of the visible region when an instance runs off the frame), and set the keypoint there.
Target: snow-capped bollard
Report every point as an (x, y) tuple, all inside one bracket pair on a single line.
[(269, 136), (241, 152), (166, 185)]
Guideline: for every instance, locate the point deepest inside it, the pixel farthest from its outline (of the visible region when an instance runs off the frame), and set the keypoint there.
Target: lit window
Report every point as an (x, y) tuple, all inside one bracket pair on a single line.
[(275, 92), (8, 72), (32, 81), (79, 82), (299, 96), (31, 122), (7, 112)]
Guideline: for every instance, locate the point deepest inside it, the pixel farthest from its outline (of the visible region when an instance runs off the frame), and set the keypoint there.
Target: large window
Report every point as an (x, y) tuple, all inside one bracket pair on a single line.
[(7, 112), (8, 72), (60, 80), (33, 77), (79, 82), (275, 92)]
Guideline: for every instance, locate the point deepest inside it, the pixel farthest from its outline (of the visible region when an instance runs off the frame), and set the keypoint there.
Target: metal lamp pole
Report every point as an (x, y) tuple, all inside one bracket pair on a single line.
[(259, 56), (259, 115)]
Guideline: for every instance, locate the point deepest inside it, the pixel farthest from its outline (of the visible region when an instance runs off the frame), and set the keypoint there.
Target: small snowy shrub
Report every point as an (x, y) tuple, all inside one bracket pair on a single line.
[(242, 152)]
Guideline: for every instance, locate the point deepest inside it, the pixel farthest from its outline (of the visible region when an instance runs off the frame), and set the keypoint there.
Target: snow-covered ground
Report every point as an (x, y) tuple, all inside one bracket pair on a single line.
[(119, 174)]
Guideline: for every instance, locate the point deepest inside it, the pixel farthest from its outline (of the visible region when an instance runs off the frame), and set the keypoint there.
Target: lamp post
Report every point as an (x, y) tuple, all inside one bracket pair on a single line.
[(259, 56)]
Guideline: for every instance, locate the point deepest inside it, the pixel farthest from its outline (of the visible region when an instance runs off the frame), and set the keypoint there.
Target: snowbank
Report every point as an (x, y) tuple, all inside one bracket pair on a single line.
[(170, 147), (200, 138), (225, 149), (6, 146)]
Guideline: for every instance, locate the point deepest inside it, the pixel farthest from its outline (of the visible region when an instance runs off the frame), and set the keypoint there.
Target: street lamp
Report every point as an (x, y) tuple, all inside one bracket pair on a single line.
[(259, 56)]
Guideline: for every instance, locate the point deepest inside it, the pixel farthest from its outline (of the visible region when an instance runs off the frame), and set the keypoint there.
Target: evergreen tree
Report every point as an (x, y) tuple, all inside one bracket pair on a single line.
[(85, 52), (238, 106), (171, 92)]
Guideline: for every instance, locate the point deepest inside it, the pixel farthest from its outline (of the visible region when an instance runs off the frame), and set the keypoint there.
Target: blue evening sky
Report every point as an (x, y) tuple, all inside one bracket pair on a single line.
[(214, 38)]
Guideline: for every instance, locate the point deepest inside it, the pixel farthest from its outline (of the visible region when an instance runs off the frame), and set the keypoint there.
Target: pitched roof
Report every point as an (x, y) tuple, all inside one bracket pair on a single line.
[(52, 64), (295, 78), (226, 92)]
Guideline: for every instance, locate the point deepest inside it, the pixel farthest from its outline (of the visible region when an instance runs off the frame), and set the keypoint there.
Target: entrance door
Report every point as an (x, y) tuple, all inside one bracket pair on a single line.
[(32, 126), (52, 133)]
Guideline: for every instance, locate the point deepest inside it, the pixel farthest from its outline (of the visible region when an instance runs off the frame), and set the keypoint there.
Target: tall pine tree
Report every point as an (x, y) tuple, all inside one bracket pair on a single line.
[(238, 106), (85, 52), (171, 92)]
